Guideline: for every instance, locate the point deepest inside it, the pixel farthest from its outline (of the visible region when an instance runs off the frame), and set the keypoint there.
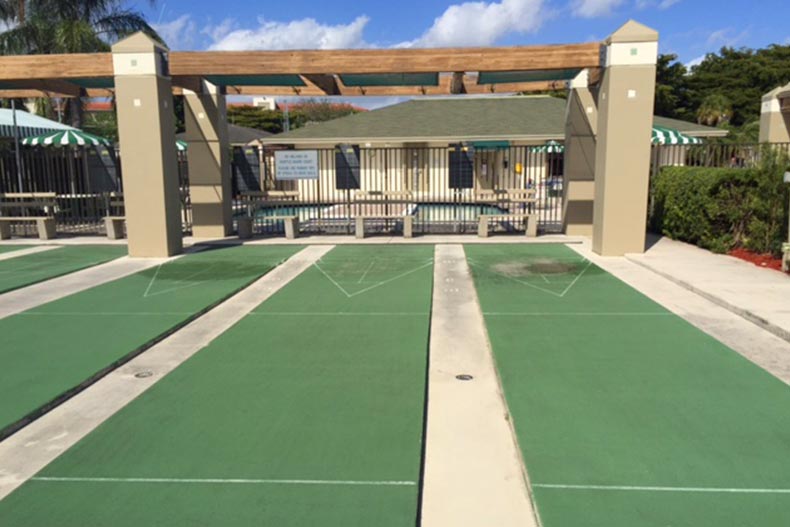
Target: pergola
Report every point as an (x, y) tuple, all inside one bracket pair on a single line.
[(612, 87)]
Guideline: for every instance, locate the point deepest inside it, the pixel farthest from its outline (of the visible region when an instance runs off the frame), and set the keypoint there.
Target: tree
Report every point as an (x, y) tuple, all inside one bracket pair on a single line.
[(40, 27), (671, 88), (741, 75), (317, 111), (258, 118), (715, 110)]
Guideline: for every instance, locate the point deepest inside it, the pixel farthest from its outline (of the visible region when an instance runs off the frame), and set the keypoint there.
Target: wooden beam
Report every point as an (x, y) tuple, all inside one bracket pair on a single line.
[(457, 84), (326, 83), (187, 82), (594, 77), (67, 66), (326, 62), (406, 60)]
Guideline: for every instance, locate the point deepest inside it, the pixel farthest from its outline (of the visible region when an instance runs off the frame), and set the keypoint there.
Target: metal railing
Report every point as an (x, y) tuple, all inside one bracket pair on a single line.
[(417, 181), (87, 183)]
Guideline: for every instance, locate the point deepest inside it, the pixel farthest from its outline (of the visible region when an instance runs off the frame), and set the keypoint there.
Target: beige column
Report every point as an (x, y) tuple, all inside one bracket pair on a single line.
[(622, 153), (581, 120), (209, 162), (774, 124), (146, 130)]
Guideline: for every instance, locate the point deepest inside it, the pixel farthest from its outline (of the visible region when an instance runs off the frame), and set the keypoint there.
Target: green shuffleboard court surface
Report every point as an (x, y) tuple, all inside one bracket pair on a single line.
[(626, 414), (55, 348), (307, 412), (37, 267)]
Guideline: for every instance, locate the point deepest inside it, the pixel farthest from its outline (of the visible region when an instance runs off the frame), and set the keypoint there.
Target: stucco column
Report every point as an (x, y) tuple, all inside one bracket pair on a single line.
[(775, 125), (622, 153), (209, 162), (581, 120), (146, 131)]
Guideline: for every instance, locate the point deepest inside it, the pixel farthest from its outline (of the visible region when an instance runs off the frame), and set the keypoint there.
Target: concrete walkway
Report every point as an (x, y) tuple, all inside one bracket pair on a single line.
[(751, 341), (761, 296), (25, 252), (35, 295), (33, 447), (473, 473)]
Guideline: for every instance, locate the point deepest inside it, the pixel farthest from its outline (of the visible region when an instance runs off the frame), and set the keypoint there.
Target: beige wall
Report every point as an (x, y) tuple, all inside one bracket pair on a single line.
[(622, 157), (146, 131), (774, 124), (580, 129), (209, 163)]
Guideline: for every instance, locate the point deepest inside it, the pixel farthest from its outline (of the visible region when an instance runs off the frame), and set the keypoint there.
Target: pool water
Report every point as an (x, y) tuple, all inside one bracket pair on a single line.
[(452, 212)]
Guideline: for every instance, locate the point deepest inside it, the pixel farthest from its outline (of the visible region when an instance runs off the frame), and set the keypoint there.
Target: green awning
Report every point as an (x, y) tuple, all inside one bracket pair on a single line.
[(669, 136), (65, 138), (390, 79), (501, 77), (106, 83), (490, 145)]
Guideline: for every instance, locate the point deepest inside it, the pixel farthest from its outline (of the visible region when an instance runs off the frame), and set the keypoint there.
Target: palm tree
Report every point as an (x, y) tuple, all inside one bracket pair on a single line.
[(715, 109), (67, 26)]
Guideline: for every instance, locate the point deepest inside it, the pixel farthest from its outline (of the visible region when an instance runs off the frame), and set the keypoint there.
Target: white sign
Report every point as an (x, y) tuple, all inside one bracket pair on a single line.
[(296, 164)]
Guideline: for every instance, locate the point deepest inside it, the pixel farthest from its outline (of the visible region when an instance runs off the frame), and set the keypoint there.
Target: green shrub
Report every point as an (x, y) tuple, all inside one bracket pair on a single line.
[(724, 208)]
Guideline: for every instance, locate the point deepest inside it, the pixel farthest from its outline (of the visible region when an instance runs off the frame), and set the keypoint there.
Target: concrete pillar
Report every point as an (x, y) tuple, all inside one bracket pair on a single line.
[(209, 162), (581, 123), (774, 124), (622, 152), (146, 130)]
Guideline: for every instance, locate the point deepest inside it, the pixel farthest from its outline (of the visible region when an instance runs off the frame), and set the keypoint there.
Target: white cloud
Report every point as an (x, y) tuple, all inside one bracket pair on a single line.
[(695, 62), (178, 33), (219, 31), (660, 4), (297, 34), (481, 23), (594, 8), (726, 37)]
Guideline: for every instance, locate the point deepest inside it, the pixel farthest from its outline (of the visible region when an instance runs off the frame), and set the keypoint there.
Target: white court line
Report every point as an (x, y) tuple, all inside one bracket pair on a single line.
[(558, 295), (632, 314), (372, 262), (365, 290), (104, 313), (343, 314), (151, 283), (27, 251), (734, 490), (218, 481)]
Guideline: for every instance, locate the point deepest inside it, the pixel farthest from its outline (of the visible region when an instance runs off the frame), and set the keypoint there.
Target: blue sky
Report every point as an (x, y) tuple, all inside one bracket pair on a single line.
[(688, 28)]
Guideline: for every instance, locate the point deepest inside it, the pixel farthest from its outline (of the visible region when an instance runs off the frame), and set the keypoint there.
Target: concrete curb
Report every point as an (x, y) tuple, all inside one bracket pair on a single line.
[(779, 331)]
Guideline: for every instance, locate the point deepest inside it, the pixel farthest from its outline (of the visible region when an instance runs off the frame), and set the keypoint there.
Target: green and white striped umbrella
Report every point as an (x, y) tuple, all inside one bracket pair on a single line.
[(65, 138), (551, 147), (670, 136), (181, 146)]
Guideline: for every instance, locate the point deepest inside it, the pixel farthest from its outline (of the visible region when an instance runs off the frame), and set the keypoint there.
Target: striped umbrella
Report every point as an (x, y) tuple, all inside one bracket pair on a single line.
[(65, 138), (181, 146), (551, 147), (669, 136)]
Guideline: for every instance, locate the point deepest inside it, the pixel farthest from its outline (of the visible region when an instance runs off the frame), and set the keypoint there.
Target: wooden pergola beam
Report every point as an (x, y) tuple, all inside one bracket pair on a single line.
[(326, 83), (407, 60), (316, 62)]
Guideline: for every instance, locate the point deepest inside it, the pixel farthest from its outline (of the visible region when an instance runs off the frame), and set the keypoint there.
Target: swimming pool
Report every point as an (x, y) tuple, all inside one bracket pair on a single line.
[(450, 212)]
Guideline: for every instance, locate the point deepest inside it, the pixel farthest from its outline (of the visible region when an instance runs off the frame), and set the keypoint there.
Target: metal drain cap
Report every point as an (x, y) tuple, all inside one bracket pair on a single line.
[(144, 374), (464, 377)]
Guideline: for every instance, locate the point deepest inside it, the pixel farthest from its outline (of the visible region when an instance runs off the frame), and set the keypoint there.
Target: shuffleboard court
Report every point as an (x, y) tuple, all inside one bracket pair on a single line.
[(626, 414), (33, 268), (307, 412), (52, 350)]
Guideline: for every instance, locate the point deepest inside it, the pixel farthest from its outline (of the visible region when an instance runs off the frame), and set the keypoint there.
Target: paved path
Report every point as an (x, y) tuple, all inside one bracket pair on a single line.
[(759, 295), (32, 448), (25, 252), (753, 342), (473, 472), (47, 291)]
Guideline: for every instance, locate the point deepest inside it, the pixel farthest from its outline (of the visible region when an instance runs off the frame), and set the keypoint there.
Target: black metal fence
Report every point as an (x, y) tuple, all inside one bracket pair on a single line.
[(444, 189), (87, 183), (714, 155)]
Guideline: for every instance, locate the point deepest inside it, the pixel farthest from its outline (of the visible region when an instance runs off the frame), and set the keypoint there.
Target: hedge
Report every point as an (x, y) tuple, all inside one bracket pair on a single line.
[(723, 208)]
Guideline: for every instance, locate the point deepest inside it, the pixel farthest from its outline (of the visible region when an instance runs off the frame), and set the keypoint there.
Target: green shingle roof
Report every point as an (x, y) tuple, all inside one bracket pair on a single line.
[(459, 118)]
